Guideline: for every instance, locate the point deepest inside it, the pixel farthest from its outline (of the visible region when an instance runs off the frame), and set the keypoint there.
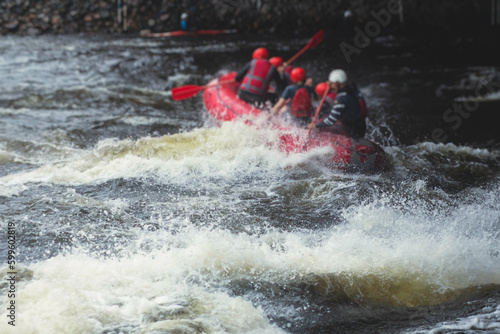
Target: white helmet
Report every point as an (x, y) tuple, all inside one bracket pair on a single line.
[(184, 16), (337, 76)]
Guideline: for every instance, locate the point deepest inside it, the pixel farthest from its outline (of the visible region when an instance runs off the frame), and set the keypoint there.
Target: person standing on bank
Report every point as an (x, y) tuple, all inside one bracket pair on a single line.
[(348, 112), (184, 22), (256, 76)]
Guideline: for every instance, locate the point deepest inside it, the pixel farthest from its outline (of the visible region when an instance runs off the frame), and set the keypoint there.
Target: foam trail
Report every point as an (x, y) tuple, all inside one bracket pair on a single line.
[(204, 152), (80, 294)]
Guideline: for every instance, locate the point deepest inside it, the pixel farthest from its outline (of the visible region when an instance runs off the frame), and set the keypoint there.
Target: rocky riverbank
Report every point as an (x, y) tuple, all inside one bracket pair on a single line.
[(30, 17)]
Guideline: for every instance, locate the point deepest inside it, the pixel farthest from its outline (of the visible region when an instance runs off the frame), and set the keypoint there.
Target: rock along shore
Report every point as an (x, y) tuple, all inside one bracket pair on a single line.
[(31, 17)]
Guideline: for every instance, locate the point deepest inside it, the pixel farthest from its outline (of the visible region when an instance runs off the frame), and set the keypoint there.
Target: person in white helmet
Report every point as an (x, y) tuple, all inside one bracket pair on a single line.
[(346, 115), (348, 24), (184, 21)]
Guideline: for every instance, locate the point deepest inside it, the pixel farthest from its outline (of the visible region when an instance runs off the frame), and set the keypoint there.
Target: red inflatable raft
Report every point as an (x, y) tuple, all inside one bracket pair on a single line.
[(348, 154)]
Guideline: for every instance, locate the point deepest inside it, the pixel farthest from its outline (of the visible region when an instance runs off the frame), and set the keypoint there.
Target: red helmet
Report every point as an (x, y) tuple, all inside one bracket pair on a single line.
[(260, 53), (276, 61), (298, 74), (320, 88)]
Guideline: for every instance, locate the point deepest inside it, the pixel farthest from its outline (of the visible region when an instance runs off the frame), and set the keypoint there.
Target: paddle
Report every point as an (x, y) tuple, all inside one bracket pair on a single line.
[(327, 90), (315, 40), (187, 91)]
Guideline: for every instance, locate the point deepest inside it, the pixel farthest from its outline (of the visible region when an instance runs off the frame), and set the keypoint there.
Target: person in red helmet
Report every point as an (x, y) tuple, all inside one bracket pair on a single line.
[(297, 98), (256, 76), (286, 80)]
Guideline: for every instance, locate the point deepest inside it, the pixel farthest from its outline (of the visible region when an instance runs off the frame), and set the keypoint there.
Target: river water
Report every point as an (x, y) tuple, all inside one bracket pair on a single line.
[(133, 213)]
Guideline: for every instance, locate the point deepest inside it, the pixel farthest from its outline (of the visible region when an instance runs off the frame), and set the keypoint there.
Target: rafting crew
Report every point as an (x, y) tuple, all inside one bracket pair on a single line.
[(295, 101), (347, 113), (256, 76)]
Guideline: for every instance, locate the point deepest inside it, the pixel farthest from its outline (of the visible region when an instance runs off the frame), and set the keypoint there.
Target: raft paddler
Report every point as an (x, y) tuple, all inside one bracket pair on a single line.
[(346, 114), (284, 75), (296, 98), (256, 76)]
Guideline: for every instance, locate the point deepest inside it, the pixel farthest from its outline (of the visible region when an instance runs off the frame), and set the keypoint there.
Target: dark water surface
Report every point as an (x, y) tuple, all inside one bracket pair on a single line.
[(133, 214)]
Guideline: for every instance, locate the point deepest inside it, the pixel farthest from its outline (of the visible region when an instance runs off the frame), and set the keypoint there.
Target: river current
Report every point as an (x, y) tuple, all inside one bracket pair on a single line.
[(131, 213)]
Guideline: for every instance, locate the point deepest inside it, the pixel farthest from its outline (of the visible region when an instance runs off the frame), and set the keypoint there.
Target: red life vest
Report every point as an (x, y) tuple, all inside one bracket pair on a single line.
[(256, 81), (301, 103)]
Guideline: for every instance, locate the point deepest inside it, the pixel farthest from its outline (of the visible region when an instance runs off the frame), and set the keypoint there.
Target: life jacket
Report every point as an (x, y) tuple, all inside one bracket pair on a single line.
[(301, 103), (256, 81)]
